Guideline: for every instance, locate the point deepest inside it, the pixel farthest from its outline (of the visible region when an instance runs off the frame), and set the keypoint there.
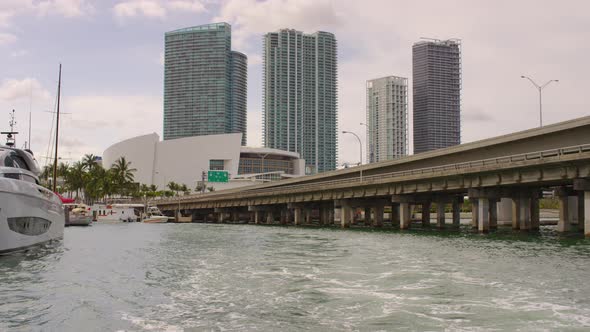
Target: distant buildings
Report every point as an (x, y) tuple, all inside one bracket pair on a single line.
[(437, 94), (300, 96), (387, 118), (205, 83)]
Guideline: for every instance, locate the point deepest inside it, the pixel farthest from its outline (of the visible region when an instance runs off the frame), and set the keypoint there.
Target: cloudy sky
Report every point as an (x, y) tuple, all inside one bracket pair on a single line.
[(112, 53)]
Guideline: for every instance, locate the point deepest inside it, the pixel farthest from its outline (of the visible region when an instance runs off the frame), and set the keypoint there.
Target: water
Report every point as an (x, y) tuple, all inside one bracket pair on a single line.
[(194, 277)]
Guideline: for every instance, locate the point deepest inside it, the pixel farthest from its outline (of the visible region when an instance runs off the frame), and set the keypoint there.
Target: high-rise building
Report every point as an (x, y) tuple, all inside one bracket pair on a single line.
[(205, 83), (437, 94), (387, 118), (300, 96)]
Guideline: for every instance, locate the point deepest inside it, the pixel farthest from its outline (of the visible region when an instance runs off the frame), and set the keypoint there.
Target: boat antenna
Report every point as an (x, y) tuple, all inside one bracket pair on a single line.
[(29, 145), (10, 139), (56, 133)]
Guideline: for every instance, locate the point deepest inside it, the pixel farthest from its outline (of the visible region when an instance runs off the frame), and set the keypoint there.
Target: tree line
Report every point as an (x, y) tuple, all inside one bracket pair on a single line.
[(86, 180)]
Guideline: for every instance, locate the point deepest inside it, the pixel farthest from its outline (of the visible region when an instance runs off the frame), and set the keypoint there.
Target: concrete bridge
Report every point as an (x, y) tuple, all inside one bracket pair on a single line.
[(513, 169)]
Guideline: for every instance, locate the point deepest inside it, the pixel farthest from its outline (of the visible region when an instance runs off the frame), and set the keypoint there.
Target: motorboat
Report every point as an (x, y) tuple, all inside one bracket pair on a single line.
[(155, 216), (29, 213), (77, 215)]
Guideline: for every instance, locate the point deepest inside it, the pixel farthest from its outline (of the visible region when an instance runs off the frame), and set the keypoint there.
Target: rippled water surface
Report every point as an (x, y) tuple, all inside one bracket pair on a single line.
[(193, 277)]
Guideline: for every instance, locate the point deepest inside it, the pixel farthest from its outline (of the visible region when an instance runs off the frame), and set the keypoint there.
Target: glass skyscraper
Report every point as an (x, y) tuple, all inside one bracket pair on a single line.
[(205, 83), (300, 96), (437, 94), (387, 118)]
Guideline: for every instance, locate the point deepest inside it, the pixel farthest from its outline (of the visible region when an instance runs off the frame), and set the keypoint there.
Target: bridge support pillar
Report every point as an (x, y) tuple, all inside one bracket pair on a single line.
[(505, 211), (257, 217), (284, 216), (331, 215), (235, 216), (563, 224), (298, 216), (405, 215), (582, 186), (367, 216), (345, 215), (378, 217), (587, 213), (572, 209), (525, 213), (582, 212), (440, 214), (270, 217), (221, 217), (426, 214), (457, 212), (493, 211), (515, 213), (474, 213), (395, 215), (308, 215), (322, 215), (535, 214), (483, 215)]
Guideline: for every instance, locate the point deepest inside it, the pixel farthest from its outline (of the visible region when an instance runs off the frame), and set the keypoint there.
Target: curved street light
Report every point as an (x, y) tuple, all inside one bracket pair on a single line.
[(540, 88), (361, 149)]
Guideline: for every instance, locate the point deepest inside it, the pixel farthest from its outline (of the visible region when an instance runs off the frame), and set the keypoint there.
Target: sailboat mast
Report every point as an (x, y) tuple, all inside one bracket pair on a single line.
[(56, 133)]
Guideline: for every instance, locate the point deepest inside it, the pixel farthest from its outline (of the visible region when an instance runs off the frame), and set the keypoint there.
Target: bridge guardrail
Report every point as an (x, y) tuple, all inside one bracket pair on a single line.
[(431, 170)]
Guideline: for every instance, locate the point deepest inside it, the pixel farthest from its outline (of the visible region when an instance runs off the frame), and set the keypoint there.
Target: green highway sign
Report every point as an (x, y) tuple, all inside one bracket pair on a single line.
[(218, 176)]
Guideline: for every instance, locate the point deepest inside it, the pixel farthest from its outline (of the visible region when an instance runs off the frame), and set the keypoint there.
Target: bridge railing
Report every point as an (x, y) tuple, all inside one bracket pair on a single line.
[(537, 155), (449, 167)]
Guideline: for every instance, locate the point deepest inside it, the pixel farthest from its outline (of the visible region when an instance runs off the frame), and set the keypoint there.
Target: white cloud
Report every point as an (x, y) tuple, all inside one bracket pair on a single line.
[(252, 18), (7, 38), (103, 120), (14, 90), (148, 8), (155, 8), (188, 6), (89, 123), (66, 8)]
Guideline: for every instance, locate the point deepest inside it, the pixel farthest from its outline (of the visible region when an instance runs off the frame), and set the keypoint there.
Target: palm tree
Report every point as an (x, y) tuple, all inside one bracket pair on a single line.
[(122, 174), (76, 178), (185, 190), (89, 161), (173, 186)]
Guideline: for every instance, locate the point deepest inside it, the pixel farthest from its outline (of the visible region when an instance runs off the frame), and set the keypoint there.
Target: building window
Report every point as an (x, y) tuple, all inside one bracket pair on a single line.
[(216, 165)]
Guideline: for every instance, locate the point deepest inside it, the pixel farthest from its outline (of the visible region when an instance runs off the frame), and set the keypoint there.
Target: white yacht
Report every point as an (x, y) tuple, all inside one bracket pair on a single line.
[(155, 216), (29, 213)]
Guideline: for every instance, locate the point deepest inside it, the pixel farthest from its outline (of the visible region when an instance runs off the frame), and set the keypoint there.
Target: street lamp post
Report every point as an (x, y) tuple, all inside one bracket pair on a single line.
[(361, 151), (540, 88), (371, 153)]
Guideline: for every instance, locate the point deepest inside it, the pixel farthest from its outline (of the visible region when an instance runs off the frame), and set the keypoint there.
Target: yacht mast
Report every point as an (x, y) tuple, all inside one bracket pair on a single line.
[(56, 133)]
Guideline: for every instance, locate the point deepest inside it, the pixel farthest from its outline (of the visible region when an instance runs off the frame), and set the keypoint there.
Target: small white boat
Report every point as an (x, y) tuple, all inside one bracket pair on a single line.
[(77, 215), (29, 213), (155, 216)]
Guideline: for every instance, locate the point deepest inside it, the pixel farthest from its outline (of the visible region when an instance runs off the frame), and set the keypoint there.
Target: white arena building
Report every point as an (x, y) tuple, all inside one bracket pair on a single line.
[(183, 160)]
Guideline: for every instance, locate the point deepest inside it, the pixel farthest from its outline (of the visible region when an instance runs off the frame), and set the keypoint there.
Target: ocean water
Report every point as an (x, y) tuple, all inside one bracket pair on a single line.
[(207, 277)]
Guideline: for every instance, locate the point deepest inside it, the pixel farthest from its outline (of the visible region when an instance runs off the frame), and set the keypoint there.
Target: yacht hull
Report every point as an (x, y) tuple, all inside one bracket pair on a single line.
[(156, 220), (29, 215)]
